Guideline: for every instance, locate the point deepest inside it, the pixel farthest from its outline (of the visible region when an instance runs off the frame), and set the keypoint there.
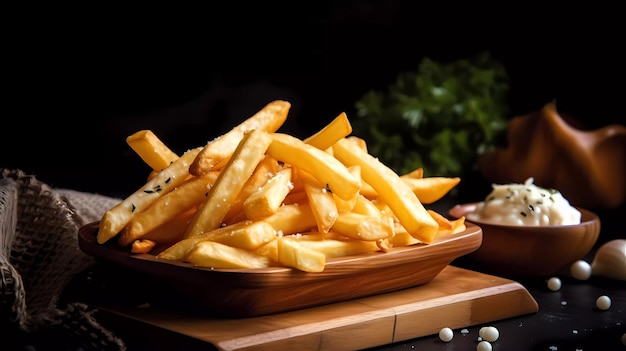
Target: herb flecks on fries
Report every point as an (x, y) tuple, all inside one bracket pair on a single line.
[(255, 198)]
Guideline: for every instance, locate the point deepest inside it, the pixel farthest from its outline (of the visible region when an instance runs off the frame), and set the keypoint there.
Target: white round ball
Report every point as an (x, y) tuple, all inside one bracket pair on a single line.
[(490, 334), (554, 283), (580, 270), (603, 302), (484, 346), (446, 334), (624, 339)]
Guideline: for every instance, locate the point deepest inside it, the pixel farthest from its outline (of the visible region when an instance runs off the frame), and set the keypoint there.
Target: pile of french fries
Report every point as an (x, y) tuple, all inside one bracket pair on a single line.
[(256, 198)]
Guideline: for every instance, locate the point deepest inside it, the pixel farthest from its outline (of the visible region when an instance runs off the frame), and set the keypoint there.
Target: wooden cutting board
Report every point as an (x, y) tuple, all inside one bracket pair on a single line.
[(456, 298)]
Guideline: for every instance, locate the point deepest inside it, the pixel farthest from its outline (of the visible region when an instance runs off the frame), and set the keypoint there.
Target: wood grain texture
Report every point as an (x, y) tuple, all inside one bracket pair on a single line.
[(255, 292), (455, 298)]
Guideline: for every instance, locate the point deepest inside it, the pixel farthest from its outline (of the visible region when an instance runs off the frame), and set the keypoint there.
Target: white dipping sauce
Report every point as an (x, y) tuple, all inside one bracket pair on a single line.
[(525, 204)]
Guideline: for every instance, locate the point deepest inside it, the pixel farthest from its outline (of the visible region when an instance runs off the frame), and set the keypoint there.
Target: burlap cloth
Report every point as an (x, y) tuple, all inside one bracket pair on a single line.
[(39, 255)]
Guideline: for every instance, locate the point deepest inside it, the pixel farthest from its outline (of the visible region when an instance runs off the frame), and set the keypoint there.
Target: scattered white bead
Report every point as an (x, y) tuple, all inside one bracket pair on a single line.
[(446, 334), (490, 334), (581, 270), (484, 346), (603, 302), (554, 284)]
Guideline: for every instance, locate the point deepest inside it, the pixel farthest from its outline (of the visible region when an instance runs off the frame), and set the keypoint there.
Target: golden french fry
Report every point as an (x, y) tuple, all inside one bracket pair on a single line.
[(401, 238), (447, 226), (291, 219), (363, 227), (180, 249), (338, 128), (151, 149), (431, 189), (116, 218), (266, 200), (186, 196), (390, 189), (365, 206), (292, 254), (142, 246), (238, 170), (321, 201), (346, 205), (166, 233), (415, 174), (269, 119), (265, 170), (212, 254), (318, 163), (331, 245)]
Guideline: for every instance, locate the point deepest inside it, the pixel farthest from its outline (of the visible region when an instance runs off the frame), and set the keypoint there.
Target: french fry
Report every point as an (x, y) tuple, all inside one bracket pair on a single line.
[(363, 227), (447, 226), (186, 196), (142, 246), (151, 149), (180, 249), (292, 254), (269, 119), (431, 189), (366, 207), (291, 219), (391, 189), (266, 200), (321, 165), (238, 170), (338, 128), (165, 234), (212, 254), (265, 170), (116, 218), (334, 245), (321, 201), (346, 205)]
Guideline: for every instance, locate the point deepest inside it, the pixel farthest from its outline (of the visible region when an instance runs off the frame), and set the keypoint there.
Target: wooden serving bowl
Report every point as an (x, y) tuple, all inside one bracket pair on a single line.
[(531, 250), (256, 292)]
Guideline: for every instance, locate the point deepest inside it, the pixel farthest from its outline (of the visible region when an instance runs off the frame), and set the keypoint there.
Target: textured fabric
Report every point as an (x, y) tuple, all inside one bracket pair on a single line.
[(39, 255)]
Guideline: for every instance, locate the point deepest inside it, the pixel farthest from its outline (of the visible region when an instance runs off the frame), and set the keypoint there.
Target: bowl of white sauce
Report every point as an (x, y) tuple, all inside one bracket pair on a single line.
[(529, 230)]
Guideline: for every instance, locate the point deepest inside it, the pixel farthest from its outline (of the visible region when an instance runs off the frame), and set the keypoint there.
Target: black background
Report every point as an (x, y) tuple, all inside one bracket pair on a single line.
[(80, 80)]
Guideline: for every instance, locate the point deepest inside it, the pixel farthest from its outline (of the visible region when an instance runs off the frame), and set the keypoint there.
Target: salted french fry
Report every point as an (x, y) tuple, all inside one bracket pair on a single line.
[(116, 218), (151, 149), (390, 189), (266, 200), (186, 196), (292, 254), (263, 172), (338, 128), (321, 165), (291, 219), (212, 254), (180, 249), (167, 233), (240, 167), (269, 119), (363, 227), (321, 201), (334, 245)]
